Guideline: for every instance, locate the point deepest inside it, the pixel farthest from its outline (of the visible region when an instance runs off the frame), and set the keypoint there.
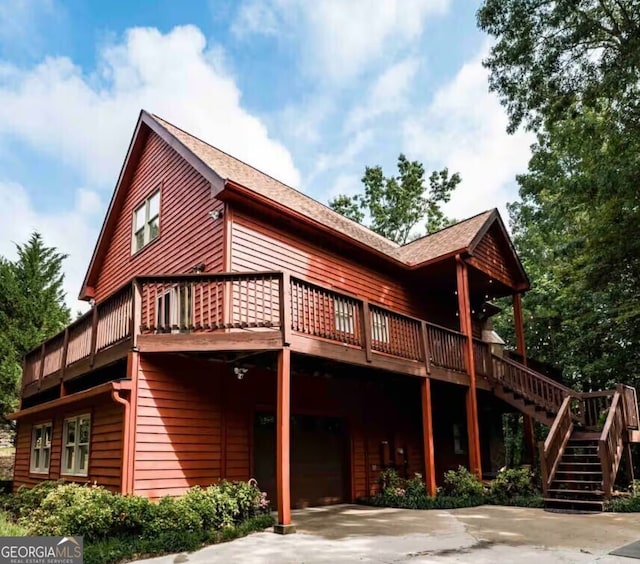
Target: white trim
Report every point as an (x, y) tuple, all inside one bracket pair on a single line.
[(40, 469), (76, 445), (379, 327), (344, 313)]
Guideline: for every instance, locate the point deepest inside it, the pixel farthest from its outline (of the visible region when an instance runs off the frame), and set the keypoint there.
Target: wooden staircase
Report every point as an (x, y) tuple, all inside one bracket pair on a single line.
[(589, 432)]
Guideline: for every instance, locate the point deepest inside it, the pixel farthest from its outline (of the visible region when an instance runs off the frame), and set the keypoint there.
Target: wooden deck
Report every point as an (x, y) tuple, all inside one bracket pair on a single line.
[(231, 312)]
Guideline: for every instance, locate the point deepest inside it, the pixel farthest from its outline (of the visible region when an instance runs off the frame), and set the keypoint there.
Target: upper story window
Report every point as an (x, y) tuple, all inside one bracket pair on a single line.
[(41, 448), (146, 222), (75, 444), (345, 315), (379, 327)]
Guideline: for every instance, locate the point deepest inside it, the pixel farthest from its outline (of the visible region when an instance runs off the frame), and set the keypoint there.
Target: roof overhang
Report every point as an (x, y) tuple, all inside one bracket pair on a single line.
[(102, 389)]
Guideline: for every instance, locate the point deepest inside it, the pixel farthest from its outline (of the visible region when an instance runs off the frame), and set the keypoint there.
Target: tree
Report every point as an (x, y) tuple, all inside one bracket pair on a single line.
[(395, 205), (570, 71), (32, 309)]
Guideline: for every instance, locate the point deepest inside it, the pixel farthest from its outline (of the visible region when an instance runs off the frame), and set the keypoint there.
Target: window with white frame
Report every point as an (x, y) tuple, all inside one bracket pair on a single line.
[(146, 222), (41, 448), (174, 310), (379, 327), (345, 315), (75, 441)]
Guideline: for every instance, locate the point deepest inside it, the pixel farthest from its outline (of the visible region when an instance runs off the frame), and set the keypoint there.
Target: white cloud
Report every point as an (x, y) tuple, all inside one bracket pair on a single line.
[(388, 94), (341, 38), (69, 231), (463, 127), (86, 121)]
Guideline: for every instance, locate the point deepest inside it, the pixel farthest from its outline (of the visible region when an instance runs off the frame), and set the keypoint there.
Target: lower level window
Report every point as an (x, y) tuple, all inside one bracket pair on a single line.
[(41, 448), (76, 433)]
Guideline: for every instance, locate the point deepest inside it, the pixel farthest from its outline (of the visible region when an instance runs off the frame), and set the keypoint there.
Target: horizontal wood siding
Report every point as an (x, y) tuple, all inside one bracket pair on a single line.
[(188, 236), (195, 422), (178, 427), (492, 256), (105, 449), (256, 246)]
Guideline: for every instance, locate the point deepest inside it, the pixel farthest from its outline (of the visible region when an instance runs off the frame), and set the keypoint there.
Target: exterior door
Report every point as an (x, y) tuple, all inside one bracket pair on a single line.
[(319, 454)]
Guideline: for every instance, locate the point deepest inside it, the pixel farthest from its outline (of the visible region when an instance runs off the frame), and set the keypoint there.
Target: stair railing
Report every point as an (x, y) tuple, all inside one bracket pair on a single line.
[(611, 443), (529, 384), (552, 448)]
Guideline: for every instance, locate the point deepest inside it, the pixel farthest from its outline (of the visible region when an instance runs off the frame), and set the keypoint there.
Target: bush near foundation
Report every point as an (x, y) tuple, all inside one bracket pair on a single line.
[(629, 502), (461, 489), (117, 527)]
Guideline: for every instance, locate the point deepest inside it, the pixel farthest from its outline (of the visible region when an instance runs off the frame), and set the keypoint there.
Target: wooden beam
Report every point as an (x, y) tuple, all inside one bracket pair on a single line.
[(365, 328), (427, 437), (283, 447), (94, 334), (136, 311), (285, 308), (464, 312), (424, 345), (527, 421), (233, 341)]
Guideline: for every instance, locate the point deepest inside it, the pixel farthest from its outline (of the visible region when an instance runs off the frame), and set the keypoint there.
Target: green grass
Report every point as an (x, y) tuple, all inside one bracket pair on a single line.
[(9, 528)]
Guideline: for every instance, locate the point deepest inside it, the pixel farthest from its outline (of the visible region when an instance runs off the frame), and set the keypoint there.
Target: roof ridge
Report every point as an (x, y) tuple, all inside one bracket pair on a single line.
[(299, 192)]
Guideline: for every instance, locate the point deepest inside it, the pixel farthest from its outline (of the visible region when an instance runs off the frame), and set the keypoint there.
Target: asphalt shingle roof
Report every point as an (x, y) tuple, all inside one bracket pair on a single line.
[(453, 238)]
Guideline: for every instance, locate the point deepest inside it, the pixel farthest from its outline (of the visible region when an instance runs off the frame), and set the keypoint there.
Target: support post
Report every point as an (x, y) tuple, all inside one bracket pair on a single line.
[(464, 311), (283, 420), (365, 329), (94, 335), (528, 433), (427, 438), (285, 308)]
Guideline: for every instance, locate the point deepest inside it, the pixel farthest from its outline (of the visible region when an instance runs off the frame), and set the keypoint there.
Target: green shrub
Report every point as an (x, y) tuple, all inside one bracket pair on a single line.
[(388, 479), (513, 482), (73, 509), (25, 500), (462, 483)]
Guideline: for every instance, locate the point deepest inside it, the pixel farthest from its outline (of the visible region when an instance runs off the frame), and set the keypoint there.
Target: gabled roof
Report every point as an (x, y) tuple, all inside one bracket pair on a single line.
[(224, 171)]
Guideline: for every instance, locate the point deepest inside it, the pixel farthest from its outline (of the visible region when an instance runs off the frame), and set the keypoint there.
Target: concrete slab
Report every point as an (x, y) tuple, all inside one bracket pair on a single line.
[(481, 535)]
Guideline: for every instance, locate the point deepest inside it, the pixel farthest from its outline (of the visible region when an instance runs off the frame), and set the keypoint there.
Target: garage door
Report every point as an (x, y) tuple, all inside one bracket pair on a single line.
[(319, 452)]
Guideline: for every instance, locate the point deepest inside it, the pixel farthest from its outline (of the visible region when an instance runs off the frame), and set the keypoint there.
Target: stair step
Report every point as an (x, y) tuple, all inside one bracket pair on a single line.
[(585, 482), (574, 504), (579, 455), (575, 492), (590, 464), (580, 472)]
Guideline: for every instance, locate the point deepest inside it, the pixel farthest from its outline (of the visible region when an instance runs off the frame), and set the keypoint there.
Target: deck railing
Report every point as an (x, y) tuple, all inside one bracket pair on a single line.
[(447, 347), (106, 324), (611, 443), (552, 448)]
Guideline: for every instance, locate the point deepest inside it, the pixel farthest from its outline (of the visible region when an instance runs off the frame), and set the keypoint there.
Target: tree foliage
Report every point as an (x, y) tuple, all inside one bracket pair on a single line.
[(32, 309), (570, 71), (395, 205)]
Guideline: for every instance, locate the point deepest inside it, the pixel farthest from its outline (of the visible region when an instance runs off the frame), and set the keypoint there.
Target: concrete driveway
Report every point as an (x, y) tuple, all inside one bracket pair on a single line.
[(488, 534)]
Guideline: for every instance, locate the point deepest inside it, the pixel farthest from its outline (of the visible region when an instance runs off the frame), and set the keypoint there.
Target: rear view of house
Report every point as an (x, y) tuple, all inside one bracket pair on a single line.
[(241, 329)]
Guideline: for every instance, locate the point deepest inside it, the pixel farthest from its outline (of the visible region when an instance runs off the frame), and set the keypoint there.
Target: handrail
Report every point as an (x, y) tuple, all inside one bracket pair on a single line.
[(610, 445), (552, 448)]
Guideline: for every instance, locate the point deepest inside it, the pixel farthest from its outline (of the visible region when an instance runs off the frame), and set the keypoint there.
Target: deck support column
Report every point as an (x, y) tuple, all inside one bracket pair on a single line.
[(427, 437), (283, 420), (464, 312), (528, 433)]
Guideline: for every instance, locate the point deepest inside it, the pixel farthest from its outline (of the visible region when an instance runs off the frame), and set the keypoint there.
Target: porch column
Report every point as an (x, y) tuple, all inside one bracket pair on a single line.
[(427, 437), (529, 436), (283, 418), (464, 311)]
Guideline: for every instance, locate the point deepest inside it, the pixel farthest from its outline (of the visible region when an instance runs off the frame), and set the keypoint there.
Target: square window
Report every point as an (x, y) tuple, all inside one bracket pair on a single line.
[(146, 222), (77, 436), (40, 448)]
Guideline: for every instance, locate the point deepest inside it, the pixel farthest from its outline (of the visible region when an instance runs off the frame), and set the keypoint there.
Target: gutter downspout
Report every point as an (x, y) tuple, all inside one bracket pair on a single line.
[(126, 440)]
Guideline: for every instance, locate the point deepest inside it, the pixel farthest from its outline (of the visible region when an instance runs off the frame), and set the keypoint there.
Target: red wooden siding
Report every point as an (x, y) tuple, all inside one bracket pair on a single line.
[(492, 256), (188, 236), (178, 433), (195, 422), (256, 246), (105, 449)]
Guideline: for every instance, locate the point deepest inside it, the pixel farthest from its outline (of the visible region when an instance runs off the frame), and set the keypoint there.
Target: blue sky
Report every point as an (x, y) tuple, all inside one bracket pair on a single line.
[(310, 92)]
